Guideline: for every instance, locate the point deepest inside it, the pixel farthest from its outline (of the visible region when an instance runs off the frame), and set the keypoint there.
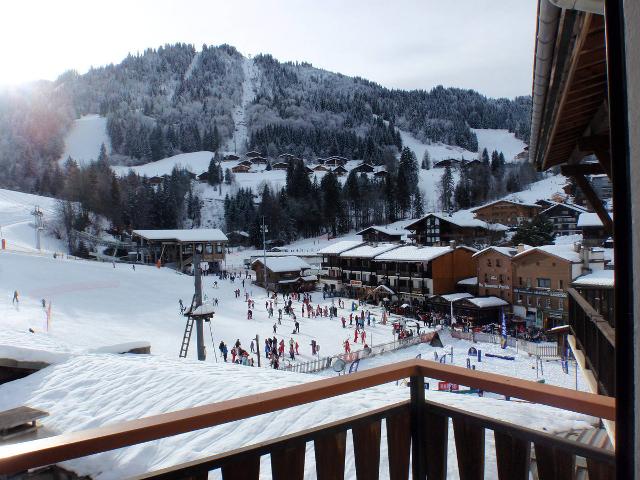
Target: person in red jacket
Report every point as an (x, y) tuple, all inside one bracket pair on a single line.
[(347, 347), (355, 336)]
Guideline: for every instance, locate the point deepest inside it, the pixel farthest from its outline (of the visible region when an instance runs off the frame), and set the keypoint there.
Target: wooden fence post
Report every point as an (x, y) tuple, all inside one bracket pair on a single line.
[(418, 445)]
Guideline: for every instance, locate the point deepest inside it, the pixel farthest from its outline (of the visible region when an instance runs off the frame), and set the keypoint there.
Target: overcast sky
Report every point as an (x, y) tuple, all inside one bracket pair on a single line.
[(486, 45)]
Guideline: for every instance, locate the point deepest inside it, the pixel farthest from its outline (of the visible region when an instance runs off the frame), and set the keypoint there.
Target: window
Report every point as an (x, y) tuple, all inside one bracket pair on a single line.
[(208, 248), (488, 262), (528, 282), (560, 284), (520, 281), (528, 300), (548, 302), (544, 283), (218, 248), (497, 262), (486, 278)]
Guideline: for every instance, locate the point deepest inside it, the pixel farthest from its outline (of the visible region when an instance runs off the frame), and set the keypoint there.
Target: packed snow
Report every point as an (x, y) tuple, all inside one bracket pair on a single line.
[(83, 141)]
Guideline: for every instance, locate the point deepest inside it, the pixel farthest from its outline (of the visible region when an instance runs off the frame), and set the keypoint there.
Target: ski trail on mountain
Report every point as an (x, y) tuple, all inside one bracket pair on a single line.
[(240, 135)]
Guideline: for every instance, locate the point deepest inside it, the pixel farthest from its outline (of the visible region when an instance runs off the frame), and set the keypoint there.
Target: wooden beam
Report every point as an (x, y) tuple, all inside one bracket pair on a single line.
[(595, 202), (581, 169)]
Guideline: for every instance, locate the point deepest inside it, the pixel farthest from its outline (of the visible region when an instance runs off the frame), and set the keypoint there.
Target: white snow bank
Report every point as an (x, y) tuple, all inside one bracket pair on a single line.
[(599, 278)]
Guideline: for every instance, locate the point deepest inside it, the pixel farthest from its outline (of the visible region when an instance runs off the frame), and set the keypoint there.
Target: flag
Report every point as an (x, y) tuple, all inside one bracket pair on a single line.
[(503, 341)]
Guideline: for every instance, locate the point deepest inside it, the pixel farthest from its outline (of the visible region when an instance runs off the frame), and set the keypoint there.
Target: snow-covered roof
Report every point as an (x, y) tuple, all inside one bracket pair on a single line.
[(386, 230), (339, 247), (590, 219), (464, 218), (184, 235), (487, 302), (599, 278), (289, 263), (369, 251), (468, 281), (570, 206), (564, 251), (514, 201), (452, 297), (507, 251), (414, 253)]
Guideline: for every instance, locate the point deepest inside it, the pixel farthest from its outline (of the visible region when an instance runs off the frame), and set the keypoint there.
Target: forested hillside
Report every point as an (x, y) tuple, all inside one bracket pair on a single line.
[(177, 99)]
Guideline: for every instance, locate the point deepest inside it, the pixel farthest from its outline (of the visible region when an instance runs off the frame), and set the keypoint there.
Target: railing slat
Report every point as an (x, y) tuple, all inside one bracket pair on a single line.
[(288, 463), (247, 468), (513, 457), (366, 449), (600, 471), (437, 435), (398, 445), (330, 454), (554, 464), (469, 449)]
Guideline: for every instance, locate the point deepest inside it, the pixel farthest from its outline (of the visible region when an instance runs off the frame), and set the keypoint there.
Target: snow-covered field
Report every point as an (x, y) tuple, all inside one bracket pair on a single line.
[(84, 139)]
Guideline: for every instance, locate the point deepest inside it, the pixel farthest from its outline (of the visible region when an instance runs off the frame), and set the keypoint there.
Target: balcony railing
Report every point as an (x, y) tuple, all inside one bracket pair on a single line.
[(416, 433), (596, 338)]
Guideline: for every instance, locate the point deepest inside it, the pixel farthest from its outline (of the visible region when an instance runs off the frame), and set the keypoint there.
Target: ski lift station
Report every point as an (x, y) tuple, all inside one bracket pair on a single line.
[(175, 248)]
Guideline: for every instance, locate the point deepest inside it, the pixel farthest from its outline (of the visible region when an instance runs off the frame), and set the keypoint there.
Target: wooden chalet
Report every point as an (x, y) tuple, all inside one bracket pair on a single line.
[(564, 217), (284, 274), (247, 163), (203, 177), (156, 180), (279, 166), (593, 231), (308, 170), (447, 162), (335, 162), (376, 233), (363, 168), (507, 212), (495, 272), (460, 227), (381, 172), (259, 160), (320, 168), (241, 168), (230, 157), (176, 247), (475, 163), (339, 170), (469, 310), (252, 154)]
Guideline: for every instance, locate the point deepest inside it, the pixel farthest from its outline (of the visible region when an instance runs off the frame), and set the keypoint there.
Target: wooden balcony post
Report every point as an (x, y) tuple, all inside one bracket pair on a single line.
[(418, 444)]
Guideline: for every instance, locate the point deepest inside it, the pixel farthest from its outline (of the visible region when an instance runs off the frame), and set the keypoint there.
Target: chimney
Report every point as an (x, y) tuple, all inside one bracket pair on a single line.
[(520, 247), (452, 244), (577, 246)]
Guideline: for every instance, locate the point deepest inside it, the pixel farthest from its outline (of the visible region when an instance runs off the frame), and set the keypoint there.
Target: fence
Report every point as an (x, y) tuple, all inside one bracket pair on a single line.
[(544, 349), (326, 362)]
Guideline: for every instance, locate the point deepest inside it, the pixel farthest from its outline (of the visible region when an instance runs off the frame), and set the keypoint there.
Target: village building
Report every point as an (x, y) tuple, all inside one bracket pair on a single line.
[(241, 168), (564, 217), (284, 274), (461, 227), (358, 269), (247, 163), (541, 277), (468, 285), (252, 154), (238, 237), (507, 212), (380, 173), (339, 170), (156, 180), (593, 232), (335, 162), (176, 247), (448, 162), (414, 273), (363, 168), (331, 265), (230, 157), (259, 159), (279, 166), (320, 168), (203, 177), (377, 233), (495, 272)]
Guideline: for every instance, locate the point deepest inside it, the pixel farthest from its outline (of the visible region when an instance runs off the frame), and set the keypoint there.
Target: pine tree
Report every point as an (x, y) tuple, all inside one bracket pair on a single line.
[(228, 177), (536, 232), (157, 143), (418, 205), (426, 160), (446, 190)]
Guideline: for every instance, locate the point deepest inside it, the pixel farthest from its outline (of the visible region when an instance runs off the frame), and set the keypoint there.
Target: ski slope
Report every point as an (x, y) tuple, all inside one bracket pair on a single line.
[(240, 135), (84, 139), (17, 226)]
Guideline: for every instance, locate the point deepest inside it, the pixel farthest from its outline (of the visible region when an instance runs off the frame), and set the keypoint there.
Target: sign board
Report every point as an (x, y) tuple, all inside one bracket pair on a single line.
[(448, 387), (355, 283)]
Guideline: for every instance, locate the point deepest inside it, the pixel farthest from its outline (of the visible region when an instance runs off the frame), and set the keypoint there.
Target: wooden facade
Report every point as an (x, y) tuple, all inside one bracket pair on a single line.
[(376, 234), (564, 218), (507, 212), (441, 230)]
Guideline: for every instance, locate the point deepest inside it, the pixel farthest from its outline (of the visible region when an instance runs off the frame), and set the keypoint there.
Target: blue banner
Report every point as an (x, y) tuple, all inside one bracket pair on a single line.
[(503, 341)]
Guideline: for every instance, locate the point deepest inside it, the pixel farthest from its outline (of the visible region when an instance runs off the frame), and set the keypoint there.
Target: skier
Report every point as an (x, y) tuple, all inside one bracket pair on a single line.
[(297, 346), (347, 347), (275, 329), (252, 347), (234, 352), (179, 303), (297, 326), (344, 323), (355, 336), (363, 336)]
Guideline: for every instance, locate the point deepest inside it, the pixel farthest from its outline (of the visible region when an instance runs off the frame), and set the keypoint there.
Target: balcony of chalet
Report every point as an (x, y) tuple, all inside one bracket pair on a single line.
[(415, 431)]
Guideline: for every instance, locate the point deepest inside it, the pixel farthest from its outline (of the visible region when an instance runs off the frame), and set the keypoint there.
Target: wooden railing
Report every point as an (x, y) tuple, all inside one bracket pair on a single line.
[(596, 338), (415, 426)]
